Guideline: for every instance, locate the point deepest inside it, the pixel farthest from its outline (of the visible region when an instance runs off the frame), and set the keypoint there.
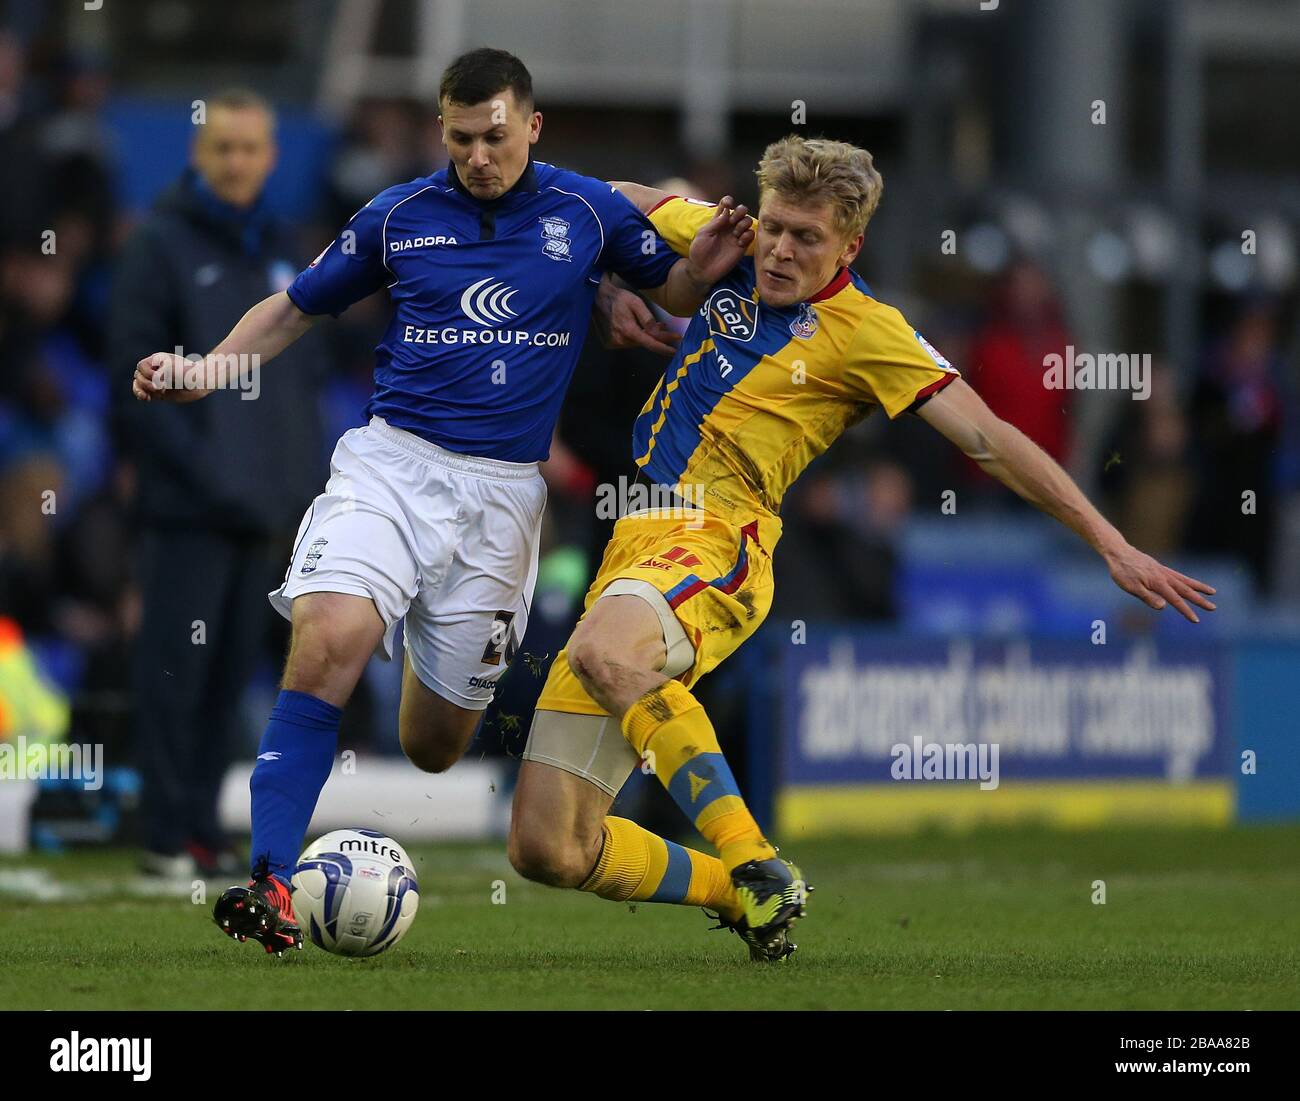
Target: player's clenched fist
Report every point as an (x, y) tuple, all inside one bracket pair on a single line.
[(162, 377)]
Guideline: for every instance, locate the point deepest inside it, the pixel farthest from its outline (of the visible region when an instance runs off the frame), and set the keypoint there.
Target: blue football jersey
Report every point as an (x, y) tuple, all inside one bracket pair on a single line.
[(491, 299)]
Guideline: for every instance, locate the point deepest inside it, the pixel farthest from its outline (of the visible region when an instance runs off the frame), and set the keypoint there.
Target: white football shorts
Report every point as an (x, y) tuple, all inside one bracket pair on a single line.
[(449, 541)]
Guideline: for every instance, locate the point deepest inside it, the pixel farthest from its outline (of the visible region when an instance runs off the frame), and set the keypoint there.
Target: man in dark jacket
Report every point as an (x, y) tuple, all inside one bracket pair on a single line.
[(221, 482)]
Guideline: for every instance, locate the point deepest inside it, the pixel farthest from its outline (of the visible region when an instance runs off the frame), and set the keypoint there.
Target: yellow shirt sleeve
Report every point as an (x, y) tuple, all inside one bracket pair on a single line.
[(892, 364), (677, 220)]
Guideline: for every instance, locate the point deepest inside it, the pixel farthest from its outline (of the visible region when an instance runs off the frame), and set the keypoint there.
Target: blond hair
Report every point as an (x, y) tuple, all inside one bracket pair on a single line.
[(818, 170)]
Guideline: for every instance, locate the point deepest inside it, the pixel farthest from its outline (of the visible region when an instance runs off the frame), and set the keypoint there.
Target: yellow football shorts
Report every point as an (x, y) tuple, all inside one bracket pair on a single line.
[(715, 578)]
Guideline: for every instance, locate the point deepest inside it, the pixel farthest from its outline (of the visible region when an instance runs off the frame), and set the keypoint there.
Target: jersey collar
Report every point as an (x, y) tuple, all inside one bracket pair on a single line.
[(841, 280), (527, 182)]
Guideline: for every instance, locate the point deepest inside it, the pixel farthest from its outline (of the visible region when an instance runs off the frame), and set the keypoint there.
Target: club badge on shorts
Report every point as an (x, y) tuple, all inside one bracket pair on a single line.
[(312, 557)]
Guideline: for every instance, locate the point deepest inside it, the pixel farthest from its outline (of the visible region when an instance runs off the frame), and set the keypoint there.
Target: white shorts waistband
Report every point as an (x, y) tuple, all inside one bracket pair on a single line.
[(471, 464)]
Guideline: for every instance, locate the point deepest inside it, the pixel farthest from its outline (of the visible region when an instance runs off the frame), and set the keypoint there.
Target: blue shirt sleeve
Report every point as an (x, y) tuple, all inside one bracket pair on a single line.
[(633, 247), (351, 267)]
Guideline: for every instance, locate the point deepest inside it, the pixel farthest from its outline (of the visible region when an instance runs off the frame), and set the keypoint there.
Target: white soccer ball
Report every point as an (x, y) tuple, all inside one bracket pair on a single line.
[(355, 892)]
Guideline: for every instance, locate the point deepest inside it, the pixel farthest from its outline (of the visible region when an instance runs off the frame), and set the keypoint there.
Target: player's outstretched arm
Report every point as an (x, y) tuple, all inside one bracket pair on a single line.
[(1015, 460), (645, 199), (622, 318), (717, 247), (263, 332)]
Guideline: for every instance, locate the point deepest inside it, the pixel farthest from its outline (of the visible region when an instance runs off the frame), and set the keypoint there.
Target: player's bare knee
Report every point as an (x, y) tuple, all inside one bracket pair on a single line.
[(429, 754), (584, 655), (435, 744), (524, 857), (313, 665), (599, 662), (553, 859), (320, 666), (327, 651)]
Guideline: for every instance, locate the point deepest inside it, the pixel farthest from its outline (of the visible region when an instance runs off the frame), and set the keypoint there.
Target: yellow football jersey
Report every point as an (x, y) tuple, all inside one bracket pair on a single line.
[(755, 393)]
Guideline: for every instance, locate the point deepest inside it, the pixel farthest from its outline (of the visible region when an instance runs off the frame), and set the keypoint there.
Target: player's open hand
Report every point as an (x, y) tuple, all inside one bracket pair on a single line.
[(161, 377), (623, 320), (722, 241), (1157, 585)]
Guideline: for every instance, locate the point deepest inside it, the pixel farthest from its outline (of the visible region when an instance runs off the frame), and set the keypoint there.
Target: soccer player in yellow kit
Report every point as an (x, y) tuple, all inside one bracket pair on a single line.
[(788, 351)]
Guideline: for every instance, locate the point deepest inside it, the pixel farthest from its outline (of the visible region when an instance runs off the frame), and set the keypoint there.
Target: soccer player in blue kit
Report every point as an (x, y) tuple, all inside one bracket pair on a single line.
[(433, 510)]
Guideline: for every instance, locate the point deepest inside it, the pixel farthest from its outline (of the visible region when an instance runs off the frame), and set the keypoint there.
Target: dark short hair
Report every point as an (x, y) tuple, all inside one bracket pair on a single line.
[(480, 74)]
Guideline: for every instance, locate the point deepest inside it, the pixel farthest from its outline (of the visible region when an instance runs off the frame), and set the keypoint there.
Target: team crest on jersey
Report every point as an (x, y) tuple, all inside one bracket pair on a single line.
[(805, 325), (934, 352), (555, 237), (313, 555), (730, 315)]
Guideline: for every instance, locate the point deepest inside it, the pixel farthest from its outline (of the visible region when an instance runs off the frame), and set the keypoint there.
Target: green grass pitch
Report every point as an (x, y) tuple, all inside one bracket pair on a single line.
[(990, 920)]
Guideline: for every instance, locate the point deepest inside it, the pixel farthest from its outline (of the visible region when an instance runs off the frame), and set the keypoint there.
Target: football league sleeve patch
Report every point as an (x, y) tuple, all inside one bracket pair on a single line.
[(350, 268), (893, 365)]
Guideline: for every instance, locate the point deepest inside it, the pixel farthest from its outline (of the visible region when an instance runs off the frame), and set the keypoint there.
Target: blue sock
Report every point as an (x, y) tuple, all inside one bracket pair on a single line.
[(293, 763)]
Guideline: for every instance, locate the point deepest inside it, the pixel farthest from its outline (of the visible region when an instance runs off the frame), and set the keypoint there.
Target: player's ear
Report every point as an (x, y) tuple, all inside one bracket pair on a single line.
[(851, 250), (534, 128)]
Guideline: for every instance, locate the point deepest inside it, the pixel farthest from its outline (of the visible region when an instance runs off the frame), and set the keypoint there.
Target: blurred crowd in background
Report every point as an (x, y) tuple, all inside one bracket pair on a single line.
[(1173, 471)]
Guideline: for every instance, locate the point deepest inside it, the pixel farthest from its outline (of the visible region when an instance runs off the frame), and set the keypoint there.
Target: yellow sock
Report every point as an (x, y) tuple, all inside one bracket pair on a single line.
[(669, 728), (636, 865)]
